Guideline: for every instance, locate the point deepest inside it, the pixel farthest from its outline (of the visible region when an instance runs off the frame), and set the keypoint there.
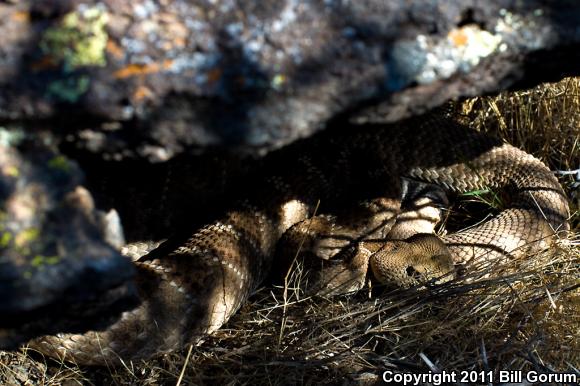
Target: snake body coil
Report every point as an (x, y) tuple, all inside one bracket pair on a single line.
[(193, 290)]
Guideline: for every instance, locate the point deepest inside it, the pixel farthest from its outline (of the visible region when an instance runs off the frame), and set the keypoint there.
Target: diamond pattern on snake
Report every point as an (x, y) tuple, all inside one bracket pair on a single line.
[(363, 183)]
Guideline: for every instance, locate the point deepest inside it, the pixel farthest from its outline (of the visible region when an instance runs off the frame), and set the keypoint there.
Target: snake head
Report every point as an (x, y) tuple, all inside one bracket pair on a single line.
[(420, 259)]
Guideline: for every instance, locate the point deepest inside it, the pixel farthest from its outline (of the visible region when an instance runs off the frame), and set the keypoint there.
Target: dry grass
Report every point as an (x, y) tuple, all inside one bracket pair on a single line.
[(529, 319)]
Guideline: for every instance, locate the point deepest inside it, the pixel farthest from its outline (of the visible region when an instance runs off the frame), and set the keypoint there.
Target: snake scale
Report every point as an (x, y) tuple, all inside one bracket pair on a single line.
[(195, 288)]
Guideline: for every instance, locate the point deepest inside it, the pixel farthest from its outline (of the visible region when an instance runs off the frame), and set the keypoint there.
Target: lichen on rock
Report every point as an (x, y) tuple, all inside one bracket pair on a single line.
[(79, 39)]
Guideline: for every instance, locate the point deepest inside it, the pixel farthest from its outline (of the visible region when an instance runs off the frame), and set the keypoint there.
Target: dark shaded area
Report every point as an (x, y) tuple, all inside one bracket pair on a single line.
[(156, 200)]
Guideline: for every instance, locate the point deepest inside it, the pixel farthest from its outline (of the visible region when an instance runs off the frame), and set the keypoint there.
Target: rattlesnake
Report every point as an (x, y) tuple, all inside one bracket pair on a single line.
[(195, 288)]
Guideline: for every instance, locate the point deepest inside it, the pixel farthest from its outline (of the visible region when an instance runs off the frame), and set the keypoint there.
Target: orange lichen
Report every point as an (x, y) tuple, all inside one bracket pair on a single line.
[(142, 69), (114, 49), (180, 42), (166, 45), (458, 37), (130, 70), (214, 75), (47, 62), (141, 93), (21, 16)]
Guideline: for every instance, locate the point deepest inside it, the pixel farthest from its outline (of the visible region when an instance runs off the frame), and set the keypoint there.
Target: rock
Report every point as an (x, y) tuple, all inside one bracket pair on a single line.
[(150, 79), (56, 272)]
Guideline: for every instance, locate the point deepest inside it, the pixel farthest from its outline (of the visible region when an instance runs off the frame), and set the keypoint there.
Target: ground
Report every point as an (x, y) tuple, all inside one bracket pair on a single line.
[(529, 319)]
